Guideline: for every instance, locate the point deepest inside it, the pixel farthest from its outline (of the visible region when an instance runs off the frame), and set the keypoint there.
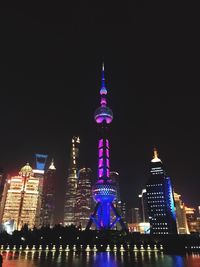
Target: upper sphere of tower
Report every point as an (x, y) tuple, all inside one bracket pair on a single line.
[(26, 170), (103, 113), (103, 91)]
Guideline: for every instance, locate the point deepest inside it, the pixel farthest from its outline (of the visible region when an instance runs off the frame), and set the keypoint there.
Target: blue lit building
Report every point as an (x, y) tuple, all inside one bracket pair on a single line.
[(104, 191), (160, 199)]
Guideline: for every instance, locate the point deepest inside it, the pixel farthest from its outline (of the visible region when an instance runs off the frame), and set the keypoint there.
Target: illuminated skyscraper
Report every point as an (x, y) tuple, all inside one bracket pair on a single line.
[(48, 196), (104, 191), (181, 220), (39, 171), (83, 197), (160, 199), (72, 180), (143, 205), (23, 199)]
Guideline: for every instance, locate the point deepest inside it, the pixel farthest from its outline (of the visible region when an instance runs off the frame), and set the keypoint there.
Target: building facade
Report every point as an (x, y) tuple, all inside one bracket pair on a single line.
[(181, 219), (48, 196), (143, 206), (72, 182), (191, 217), (83, 197), (160, 199), (22, 202)]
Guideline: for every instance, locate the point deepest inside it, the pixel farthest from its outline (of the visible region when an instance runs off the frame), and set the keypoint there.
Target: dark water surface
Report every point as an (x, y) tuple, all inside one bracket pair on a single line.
[(97, 259)]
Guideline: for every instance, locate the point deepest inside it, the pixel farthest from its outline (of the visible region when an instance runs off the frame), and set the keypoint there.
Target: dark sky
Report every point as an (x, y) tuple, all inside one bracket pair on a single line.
[(50, 70)]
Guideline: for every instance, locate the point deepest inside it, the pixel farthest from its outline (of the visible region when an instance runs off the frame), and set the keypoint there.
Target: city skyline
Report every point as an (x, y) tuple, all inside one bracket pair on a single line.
[(50, 78)]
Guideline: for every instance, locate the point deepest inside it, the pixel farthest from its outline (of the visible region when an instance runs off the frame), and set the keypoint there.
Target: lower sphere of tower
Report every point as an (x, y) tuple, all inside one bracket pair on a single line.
[(104, 192)]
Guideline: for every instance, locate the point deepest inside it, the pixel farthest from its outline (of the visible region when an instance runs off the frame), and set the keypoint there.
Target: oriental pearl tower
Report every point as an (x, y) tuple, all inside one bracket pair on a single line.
[(104, 191)]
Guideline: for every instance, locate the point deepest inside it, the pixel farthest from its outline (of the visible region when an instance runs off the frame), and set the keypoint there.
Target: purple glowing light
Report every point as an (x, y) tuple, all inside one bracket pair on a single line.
[(103, 117), (100, 143), (107, 173), (103, 101), (103, 91), (100, 181), (101, 172), (107, 153), (100, 163), (101, 153), (107, 163)]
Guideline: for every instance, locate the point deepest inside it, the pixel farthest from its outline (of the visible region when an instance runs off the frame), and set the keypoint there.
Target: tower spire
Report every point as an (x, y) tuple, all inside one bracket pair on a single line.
[(155, 155), (52, 166), (103, 90)]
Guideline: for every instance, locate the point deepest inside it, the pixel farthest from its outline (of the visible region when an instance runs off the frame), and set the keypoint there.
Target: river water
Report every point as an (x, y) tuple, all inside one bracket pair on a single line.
[(97, 259)]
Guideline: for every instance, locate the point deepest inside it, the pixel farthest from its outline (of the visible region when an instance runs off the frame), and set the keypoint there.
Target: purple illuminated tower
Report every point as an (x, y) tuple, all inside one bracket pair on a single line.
[(104, 191)]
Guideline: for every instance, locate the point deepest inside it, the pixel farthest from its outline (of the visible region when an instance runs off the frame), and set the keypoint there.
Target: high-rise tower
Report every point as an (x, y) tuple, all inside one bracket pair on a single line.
[(143, 205), (72, 180), (48, 196), (160, 199), (104, 191), (83, 197)]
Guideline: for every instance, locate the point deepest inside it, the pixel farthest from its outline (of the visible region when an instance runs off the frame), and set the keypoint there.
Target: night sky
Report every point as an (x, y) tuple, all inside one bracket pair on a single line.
[(50, 75)]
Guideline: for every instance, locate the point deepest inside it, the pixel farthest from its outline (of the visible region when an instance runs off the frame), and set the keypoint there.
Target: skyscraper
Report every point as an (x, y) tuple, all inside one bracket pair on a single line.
[(143, 205), (72, 180), (38, 172), (160, 199), (83, 197), (48, 196), (104, 191), (23, 199), (181, 220)]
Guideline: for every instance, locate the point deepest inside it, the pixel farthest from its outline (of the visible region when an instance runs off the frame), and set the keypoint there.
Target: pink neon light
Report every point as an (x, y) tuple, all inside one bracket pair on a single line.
[(105, 117), (103, 101), (107, 163), (107, 143), (100, 163), (101, 172), (108, 172), (101, 153), (100, 181), (100, 143), (107, 153)]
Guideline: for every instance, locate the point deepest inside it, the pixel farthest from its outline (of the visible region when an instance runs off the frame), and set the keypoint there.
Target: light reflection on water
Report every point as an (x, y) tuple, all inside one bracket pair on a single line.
[(97, 259)]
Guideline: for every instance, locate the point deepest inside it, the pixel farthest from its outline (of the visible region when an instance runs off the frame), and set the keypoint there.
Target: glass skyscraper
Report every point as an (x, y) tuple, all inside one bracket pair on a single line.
[(160, 199)]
